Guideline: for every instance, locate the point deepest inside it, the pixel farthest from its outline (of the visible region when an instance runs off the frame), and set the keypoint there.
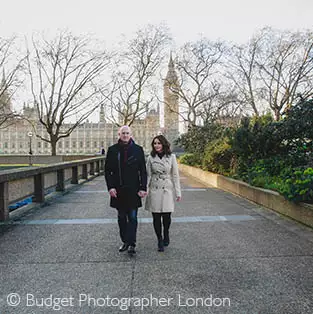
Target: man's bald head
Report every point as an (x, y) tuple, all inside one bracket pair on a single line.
[(124, 133)]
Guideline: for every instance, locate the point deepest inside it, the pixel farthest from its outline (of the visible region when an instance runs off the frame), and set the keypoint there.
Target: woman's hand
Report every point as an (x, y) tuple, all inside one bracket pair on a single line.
[(142, 194), (113, 193)]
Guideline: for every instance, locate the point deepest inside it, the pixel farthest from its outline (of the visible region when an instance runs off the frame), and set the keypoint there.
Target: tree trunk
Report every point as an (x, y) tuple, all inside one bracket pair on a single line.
[(53, 148), (277, 115)]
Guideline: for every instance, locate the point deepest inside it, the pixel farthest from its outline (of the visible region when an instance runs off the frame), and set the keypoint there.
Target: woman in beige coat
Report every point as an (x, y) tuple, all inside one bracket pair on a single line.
[(163, 187)]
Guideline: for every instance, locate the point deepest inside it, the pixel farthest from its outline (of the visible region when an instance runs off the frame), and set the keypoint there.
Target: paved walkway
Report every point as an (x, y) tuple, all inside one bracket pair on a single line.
[(226, 255)]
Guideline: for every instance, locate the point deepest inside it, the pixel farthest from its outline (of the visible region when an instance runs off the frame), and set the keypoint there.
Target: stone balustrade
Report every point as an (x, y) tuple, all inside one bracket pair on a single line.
[(18, 184)]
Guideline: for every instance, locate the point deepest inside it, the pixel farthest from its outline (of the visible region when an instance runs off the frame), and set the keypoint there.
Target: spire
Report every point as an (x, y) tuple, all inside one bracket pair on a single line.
[(5, 98), (3, 81), (171, 62), (102, 116), (171, 76)]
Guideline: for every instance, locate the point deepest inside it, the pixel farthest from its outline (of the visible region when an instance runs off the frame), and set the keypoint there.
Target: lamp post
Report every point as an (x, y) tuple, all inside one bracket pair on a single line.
[(30, 134)]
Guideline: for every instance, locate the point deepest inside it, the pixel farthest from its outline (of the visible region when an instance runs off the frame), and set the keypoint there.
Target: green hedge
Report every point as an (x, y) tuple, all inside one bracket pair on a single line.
[(218, 156)]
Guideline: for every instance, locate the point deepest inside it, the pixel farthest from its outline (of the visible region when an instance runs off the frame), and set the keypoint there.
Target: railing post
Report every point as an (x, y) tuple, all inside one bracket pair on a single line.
[(39, 195), (85, 172), (74, 175), (102, 164), (92, 168), (60, 181), (98, 166), (4, 201)]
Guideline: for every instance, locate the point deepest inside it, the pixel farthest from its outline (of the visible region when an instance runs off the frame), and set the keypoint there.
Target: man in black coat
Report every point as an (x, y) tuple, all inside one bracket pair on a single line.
[(126, 178)]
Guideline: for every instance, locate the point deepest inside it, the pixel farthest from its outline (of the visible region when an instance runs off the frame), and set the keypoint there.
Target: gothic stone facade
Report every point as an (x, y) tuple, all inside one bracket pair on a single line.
[(90, 138), (87, 138)]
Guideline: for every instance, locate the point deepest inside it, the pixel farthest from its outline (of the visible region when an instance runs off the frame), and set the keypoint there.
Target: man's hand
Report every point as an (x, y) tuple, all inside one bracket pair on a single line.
[(113, 193), (178, 198), (142, 193)]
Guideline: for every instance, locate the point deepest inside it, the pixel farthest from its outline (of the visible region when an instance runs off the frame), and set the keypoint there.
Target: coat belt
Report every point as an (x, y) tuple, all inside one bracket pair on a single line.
[(162, 176)]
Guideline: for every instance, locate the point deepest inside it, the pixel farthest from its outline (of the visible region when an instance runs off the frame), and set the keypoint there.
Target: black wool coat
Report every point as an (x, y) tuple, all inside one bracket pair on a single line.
[(126, 176)]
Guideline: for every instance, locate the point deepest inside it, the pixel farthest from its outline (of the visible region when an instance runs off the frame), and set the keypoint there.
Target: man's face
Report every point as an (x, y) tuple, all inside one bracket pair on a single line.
[(125, 134)]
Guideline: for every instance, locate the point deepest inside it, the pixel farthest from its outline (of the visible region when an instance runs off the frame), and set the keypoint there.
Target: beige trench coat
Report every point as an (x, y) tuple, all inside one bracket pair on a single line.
[(163, 183)]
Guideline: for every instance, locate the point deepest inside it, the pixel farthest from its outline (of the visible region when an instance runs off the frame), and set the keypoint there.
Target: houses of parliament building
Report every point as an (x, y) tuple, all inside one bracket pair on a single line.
[(90, 137)]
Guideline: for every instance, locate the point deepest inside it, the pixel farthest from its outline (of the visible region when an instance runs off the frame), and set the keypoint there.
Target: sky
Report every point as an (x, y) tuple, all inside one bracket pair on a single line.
[(234, 20), (230, 20)]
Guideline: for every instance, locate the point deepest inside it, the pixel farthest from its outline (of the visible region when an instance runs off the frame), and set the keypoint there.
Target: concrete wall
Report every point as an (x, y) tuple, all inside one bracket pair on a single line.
[(50, 179), (301, 212), (19, 189)]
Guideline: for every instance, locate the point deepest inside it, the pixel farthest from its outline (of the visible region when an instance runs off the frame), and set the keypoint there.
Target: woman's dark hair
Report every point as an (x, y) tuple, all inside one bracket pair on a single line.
[(165, 143)]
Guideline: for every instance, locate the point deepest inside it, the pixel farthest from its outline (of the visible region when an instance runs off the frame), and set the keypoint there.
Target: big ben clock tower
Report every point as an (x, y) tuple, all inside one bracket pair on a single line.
[(171, 104)]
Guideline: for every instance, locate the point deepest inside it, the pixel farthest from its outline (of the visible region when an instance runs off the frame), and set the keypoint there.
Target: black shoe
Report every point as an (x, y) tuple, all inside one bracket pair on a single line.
[(123, 247), (160, 246), (131, 250)]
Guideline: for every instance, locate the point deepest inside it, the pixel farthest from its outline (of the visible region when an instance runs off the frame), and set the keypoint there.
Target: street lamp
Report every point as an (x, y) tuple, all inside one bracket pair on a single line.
[(30, 134)]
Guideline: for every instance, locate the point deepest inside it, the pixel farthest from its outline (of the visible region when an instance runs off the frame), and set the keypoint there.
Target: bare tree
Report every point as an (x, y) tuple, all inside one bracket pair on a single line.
[(224, 105), (10, 69), (242, 69), (272, 69), (64, 73), (134, 70), (286, 68), (197, 66)]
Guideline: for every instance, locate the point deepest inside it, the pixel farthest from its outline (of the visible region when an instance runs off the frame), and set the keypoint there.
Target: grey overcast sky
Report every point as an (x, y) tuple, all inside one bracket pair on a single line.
[(231, 20), (234, 20)]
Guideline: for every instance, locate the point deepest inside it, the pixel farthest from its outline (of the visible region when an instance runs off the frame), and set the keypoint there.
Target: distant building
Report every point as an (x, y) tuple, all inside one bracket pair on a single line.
[(90, 137), (171, 104)]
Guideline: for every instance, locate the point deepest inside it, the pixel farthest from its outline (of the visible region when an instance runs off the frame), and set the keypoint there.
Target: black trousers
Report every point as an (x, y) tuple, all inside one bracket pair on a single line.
[(158, 219), (127, 222)]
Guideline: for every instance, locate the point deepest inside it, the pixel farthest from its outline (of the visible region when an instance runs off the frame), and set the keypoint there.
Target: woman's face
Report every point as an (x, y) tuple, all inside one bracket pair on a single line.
[(157, 145)]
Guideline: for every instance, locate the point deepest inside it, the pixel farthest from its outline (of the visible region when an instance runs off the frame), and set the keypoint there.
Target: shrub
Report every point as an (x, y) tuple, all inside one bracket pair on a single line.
[(190, 159), (217, 156), (195, 140), (299, 186), (255, 139)]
